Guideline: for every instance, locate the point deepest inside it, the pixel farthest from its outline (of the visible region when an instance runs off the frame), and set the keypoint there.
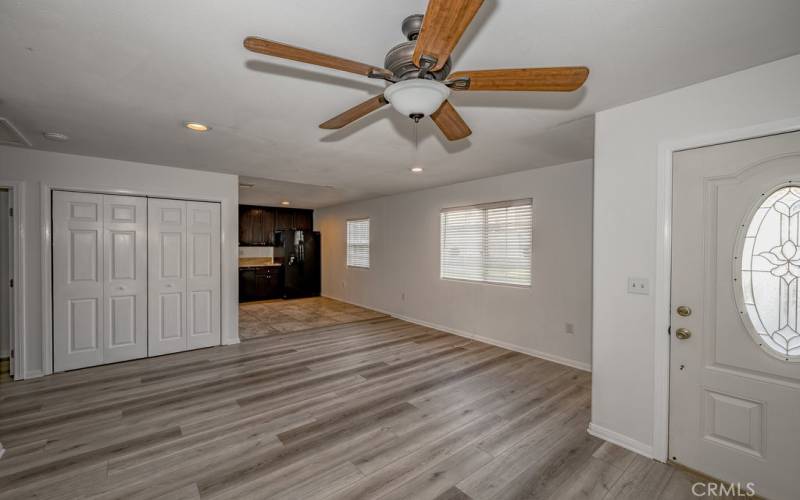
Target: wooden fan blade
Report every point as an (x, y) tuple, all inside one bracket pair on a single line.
[(565, 79), (284, 51), (355, 113), (442, 27), (450, 122)]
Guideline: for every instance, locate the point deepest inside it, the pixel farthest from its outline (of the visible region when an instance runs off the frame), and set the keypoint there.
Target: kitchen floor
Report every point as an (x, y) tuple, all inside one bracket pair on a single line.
[(275, 317)]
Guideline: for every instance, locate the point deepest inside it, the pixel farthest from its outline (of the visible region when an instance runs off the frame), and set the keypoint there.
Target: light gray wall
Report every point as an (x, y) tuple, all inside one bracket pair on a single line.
[(38, 168), (405, 260), (5, 295), (627, 142)]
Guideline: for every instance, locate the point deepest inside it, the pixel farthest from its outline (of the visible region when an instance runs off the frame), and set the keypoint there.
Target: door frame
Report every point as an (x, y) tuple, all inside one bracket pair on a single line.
[(47, 259), (663, 274), (17, 199)]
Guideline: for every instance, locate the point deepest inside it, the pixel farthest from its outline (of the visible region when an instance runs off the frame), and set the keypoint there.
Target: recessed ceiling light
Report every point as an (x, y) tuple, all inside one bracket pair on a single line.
[(284, 202), (416, 170), (197, 126), (55, 136)]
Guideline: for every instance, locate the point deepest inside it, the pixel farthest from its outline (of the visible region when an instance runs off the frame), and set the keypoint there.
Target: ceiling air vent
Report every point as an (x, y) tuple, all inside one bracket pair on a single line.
[(10, 136)]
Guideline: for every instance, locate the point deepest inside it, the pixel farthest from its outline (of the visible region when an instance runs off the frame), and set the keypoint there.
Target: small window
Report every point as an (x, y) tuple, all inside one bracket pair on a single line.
[(769, 267), (358, 243), (489, 243)]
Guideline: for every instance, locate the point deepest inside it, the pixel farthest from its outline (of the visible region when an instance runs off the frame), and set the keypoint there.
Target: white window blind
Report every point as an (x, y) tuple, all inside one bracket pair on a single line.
[(358, 243), (489, 242)]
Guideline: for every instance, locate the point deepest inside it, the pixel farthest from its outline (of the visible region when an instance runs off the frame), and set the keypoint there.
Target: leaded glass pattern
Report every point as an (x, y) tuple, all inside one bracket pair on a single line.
[(770, 273)]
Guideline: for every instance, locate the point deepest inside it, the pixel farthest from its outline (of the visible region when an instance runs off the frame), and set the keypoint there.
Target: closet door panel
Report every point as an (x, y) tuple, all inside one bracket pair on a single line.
[(125, 291), (77, 280), (203, 274), (167, 331)]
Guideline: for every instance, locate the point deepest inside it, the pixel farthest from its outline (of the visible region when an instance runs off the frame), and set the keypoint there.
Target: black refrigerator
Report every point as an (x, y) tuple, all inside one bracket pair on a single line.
[(301, 262)]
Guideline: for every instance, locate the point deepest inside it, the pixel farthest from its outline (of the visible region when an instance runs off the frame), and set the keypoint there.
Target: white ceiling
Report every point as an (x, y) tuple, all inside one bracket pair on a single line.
[(119, 77)]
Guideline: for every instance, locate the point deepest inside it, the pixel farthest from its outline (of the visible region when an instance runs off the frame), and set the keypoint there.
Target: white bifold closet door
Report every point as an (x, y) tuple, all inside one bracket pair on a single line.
[(99, 279), (203, 274), (184, 275)]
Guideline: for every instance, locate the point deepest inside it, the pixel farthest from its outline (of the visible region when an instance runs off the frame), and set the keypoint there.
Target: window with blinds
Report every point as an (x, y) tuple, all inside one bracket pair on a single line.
[(358, 243), (489, 243)]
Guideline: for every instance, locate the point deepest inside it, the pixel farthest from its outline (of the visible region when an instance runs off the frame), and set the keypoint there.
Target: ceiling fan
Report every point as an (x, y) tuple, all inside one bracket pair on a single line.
[(418, 71)]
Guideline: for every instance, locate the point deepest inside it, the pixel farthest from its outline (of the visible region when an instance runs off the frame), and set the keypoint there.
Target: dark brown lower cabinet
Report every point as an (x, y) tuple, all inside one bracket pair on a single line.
[(260, 283)]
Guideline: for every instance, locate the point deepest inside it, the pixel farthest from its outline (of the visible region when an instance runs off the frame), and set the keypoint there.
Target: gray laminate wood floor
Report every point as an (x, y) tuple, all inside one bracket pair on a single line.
[(375, 409)]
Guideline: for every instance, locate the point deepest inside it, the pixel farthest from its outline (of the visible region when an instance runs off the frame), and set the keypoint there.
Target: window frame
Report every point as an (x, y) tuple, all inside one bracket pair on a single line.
[(347, 242), (484, 207)]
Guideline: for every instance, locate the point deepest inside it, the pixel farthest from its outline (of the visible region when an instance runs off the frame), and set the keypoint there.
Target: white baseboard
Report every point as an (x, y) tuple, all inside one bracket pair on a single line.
[(235, 341), (505, 345), (620, 440)]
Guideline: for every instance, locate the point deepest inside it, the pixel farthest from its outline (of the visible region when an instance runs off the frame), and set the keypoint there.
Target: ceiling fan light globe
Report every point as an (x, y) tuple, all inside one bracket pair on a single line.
[(416, 96)]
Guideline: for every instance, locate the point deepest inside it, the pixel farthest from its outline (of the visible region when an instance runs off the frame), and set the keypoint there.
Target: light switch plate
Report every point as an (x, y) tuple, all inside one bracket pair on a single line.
[(640, 286)]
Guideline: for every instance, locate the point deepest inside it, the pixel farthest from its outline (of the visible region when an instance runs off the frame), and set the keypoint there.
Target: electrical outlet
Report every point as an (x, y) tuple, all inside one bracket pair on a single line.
[(569, 328), (639, 286)]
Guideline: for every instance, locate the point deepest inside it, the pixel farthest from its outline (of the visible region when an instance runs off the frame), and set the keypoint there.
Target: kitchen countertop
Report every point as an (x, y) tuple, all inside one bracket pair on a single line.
[(258, 262)]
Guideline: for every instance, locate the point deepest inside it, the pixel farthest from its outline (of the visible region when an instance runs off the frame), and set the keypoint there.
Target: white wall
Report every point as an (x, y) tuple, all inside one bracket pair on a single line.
[(626, 212), (81, 172), (405, 259), (5, 272)]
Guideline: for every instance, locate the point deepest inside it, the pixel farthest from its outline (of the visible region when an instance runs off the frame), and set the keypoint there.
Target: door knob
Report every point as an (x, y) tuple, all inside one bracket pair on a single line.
[(683, 333), (684, 311)]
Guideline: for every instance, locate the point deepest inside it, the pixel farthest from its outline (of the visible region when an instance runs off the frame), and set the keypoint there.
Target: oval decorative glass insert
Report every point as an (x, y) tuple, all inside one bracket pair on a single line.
[(770, 273)]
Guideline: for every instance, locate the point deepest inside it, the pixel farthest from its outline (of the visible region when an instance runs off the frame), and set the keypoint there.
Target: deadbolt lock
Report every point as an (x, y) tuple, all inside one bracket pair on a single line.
[(683, 333), (684, 311)]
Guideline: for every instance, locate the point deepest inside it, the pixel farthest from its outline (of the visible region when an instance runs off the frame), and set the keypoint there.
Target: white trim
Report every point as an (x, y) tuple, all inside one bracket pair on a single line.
[(620, 440), (18, 336), (229, 303), (664, 258), (47, 283), (505, 345)]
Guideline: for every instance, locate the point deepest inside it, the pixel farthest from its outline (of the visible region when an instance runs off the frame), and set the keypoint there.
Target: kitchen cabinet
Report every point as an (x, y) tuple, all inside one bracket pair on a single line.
[(260, 283), (247, 284), (256, 225), (303, 220), (284, 219)]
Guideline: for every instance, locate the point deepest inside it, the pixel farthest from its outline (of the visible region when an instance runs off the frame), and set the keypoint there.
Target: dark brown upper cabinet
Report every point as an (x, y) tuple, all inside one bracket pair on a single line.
[(284, 219), (304, 220), (257, 224)]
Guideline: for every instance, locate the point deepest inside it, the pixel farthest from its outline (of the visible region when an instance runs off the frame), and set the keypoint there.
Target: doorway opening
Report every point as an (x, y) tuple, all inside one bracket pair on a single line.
[(7, 302)]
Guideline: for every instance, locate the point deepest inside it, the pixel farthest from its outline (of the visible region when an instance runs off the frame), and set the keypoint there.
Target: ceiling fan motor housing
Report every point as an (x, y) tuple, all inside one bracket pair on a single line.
[(400, 58)]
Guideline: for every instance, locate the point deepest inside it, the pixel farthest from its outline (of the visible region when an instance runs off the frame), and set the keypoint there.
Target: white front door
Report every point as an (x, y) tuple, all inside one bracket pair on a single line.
[(125, 278), (735, 346), (167, 276), (78, 327), (202, 270)]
